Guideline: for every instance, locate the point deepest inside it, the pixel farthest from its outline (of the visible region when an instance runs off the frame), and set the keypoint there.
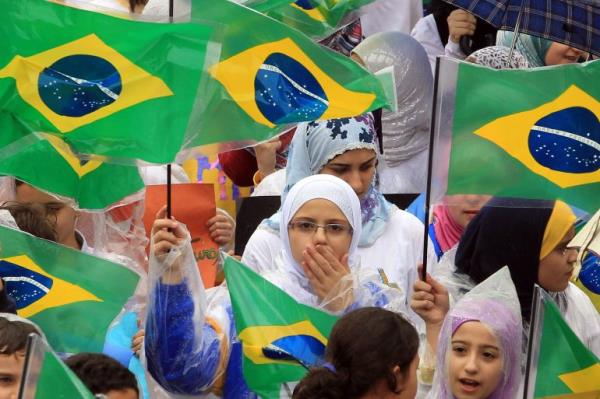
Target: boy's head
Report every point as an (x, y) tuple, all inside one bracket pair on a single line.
[(104, 375), (13, 342)]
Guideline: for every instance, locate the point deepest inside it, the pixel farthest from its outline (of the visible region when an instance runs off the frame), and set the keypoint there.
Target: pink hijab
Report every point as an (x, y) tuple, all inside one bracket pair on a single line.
[(447, 231)]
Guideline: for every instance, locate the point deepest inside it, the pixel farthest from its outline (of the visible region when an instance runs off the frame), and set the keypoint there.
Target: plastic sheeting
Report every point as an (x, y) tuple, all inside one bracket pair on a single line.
[(116, 234), (191, 339), (494, 303)]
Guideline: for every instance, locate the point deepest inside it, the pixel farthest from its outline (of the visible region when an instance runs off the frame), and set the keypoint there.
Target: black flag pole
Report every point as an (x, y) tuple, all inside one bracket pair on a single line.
[(430, 168), (171, 6)]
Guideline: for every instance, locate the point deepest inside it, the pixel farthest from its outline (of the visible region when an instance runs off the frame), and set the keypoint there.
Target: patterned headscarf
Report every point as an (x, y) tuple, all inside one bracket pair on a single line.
[(496, 57), (317, 143), (532, 47)]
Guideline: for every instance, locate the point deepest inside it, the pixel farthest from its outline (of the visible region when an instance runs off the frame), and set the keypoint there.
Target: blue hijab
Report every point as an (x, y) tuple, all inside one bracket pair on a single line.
[(314, 145)]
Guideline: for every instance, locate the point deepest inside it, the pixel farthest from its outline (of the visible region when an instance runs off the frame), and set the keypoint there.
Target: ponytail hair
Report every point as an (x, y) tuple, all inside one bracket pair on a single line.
[(364, 347)]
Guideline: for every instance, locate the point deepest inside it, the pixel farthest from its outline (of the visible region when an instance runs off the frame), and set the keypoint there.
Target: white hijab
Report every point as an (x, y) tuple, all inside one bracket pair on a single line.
[(326, 187)]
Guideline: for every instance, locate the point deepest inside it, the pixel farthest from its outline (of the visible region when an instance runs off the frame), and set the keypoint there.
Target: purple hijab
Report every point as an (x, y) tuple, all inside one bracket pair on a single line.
[(497, 310)]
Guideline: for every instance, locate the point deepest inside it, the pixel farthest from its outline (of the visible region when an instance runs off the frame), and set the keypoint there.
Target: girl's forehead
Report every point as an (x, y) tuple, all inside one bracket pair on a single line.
[(475, 332), (320, 208), (359, 155)]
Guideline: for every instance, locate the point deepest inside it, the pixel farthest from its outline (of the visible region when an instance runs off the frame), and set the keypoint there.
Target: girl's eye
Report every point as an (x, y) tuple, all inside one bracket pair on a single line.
[(489, 355), (459, 349), (6, 380), (366, 167), (306, 226), (335, 228)]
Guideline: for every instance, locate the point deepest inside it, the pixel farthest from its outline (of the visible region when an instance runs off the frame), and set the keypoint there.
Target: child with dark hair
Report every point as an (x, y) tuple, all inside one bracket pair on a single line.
[(30, 220), (13, 342), (104, 375), (372, 353)]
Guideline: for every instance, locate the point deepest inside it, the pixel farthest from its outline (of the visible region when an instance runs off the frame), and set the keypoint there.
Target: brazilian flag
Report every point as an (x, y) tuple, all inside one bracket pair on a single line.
[(45, 376), (270, 75), (315, 18), (108, 86), (72, 296), (92, 184), (524, 133), (280, 337), (566, 368)]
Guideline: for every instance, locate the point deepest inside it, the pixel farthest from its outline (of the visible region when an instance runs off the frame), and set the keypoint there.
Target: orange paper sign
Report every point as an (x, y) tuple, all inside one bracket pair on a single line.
[(192, 204)]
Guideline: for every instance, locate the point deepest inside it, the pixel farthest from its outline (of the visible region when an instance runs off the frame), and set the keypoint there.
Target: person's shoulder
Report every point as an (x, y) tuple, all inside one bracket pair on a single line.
[(576, 294), (405, 220), (263, 239), (264, 233)]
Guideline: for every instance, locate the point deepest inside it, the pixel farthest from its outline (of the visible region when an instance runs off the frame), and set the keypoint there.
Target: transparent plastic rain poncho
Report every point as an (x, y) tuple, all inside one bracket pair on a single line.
[(191, 345), (494, 303), (116, 233), (405, 131), (519, 233)]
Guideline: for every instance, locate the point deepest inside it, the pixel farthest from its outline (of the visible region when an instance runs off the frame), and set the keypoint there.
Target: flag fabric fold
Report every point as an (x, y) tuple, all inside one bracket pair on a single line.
[(270, 78), (72, 296), (510, 133), (280, 337), (560, 365), (46, 377), (107, 86), (49, 164), (315, 18)]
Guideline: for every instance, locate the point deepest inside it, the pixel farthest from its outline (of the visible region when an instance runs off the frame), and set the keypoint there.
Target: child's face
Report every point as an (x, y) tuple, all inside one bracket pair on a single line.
[(323, 212), (475, 362), (410, 383), (11, 367), (355, 167), (557, 267), (463, 208), (61, 216)]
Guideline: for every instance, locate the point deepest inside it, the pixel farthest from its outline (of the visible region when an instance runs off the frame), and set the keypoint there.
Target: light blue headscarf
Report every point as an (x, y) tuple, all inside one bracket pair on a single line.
[(316, 143), (532, 47)]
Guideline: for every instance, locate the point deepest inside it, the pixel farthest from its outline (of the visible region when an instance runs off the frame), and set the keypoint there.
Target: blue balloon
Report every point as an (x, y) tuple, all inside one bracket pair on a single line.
[(567, 141), (78, 85)]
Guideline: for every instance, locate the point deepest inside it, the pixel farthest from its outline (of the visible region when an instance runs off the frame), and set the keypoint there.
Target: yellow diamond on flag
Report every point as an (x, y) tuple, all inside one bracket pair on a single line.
[(35, 290), (581, 381), (559, 140), (277, 83), (255, 339), (81, 82), (64, 150), (313, 13)]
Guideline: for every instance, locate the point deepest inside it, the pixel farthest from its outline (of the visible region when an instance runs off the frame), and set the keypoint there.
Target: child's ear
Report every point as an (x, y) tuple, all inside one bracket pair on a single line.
[(400, 379)]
